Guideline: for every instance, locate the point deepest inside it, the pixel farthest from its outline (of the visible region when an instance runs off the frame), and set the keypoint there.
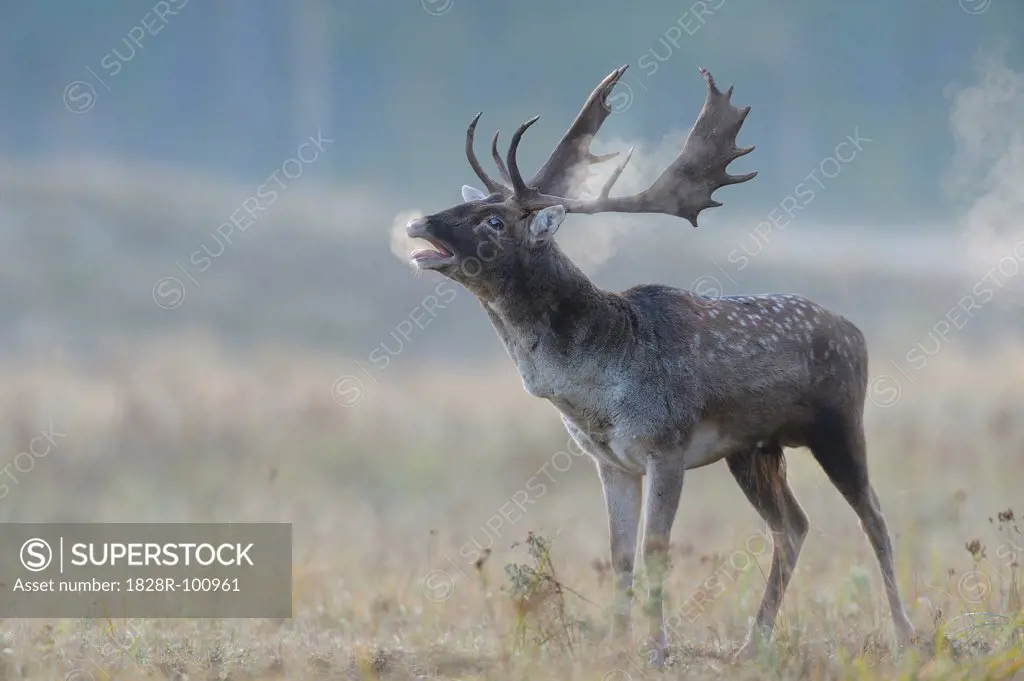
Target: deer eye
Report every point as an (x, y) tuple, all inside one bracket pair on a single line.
[(496, 224)]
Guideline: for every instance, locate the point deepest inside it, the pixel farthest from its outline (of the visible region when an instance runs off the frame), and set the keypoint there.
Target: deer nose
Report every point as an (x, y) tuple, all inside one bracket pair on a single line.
[(416, 227)]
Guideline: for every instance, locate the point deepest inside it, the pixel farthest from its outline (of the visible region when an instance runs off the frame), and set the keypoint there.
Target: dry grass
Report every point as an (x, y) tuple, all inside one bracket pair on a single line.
[(412, 559)]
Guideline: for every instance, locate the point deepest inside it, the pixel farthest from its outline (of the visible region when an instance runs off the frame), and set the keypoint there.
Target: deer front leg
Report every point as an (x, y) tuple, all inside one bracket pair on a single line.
[(664, 485), (622, 497)]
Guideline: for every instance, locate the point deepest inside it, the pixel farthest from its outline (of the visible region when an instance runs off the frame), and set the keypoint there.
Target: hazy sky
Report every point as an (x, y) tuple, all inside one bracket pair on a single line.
[(231, 87)]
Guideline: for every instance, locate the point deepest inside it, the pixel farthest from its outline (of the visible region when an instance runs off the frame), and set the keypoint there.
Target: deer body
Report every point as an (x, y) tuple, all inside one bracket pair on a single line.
[(659, 369), (655, 381)]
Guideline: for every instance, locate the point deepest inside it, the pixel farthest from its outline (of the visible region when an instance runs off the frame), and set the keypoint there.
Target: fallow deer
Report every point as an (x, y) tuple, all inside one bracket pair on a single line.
[(654, 381)]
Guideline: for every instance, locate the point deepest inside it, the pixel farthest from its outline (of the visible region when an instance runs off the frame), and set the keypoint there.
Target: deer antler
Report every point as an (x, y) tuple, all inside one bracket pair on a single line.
[(564, 171), (561, 174), (492, 186), (497, 160), (683, 190)]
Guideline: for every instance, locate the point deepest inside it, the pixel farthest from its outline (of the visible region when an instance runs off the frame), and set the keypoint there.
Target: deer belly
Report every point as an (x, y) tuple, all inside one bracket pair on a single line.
[(707, 444)]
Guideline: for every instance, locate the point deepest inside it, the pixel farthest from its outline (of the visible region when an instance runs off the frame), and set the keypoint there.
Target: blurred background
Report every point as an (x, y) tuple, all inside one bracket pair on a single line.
[(206, 300)]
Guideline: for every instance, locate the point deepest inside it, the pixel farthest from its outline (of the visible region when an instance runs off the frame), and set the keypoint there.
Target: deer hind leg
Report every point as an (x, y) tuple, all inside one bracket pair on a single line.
[(838, 446), (622, 497), (761, 474)]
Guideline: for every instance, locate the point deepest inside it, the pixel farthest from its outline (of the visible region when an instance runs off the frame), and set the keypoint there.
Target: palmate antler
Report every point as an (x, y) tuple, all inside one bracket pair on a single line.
[(565, 170), (683, 190)]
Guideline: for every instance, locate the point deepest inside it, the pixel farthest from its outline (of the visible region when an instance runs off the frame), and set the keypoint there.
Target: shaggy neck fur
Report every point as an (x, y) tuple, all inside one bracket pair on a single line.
[(548, 311)]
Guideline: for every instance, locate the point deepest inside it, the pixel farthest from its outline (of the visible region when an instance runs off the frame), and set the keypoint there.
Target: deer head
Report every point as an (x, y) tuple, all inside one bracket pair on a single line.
[(492, 236)]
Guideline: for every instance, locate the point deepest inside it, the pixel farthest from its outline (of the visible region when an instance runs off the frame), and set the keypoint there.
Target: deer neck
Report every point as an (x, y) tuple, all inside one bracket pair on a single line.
[(557, 325)]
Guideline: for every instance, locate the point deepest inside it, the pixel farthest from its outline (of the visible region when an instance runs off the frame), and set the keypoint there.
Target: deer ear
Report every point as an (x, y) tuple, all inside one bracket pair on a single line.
[(472, 194), (546, 222)]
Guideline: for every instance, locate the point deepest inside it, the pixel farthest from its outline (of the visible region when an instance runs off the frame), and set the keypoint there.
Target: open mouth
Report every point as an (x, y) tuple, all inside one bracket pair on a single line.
[(428, 258)]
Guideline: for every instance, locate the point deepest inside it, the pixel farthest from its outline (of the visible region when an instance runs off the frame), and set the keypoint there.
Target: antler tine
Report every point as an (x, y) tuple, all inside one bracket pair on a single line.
[(498, 160), (519, 186), (615, 175), (601, 158), (560, 175), (711, 82), (492, 186)]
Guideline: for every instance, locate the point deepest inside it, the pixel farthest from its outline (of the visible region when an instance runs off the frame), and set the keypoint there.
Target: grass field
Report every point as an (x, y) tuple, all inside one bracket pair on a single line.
[(414, 499)]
